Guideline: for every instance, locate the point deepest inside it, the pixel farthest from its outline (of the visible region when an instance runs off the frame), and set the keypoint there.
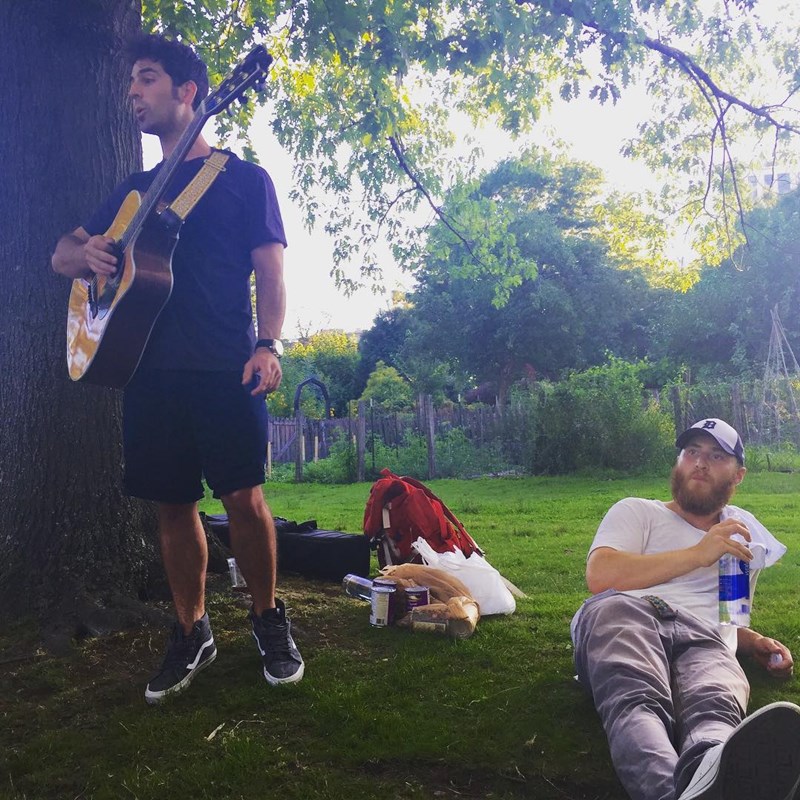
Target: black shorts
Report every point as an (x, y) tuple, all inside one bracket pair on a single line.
[(182, 427)]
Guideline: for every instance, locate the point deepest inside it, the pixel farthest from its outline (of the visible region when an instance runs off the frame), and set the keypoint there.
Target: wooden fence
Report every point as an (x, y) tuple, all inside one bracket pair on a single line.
[(301, 439), (762, 413)]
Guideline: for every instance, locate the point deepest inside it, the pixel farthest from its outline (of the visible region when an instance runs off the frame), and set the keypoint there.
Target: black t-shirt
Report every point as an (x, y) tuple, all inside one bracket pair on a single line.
[(207, 323)]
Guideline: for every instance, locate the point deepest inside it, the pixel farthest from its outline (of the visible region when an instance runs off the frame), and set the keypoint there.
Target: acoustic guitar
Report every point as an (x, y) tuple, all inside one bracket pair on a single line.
[(109, 319)]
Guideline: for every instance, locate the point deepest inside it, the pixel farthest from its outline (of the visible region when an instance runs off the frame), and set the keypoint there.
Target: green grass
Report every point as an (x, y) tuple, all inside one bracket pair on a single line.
[(381, 713)]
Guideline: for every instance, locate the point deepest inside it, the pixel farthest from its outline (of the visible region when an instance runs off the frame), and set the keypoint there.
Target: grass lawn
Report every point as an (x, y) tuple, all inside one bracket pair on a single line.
[(381, 713)]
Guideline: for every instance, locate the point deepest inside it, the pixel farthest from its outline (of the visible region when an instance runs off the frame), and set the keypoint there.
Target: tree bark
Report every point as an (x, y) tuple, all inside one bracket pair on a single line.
[(70, 542)]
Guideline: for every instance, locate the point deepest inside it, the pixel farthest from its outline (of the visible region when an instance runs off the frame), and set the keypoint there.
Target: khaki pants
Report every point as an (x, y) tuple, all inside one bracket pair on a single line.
[(665, 685)]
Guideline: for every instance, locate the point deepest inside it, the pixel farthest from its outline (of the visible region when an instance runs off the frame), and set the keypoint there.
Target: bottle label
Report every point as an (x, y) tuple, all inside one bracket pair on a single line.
[(429, 626), (734, 587)]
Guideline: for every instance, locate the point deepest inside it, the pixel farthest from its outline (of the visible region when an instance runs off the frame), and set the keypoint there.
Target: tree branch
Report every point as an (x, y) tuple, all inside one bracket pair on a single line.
[(719, 101), (399, 153), (682, 59)]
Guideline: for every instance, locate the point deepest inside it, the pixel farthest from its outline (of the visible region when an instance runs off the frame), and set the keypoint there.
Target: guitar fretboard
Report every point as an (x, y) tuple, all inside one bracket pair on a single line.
[(157, 187)]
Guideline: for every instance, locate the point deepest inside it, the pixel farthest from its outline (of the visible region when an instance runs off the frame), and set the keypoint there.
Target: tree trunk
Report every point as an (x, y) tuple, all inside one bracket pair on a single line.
[(70, 541)]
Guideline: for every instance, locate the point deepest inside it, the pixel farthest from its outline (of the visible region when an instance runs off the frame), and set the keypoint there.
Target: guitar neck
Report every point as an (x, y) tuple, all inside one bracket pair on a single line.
[(162, 179), (249, 73)]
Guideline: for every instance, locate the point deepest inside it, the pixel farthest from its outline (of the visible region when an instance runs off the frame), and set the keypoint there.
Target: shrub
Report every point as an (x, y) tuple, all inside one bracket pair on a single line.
[(456, 457), (592, 420), (339, 467)]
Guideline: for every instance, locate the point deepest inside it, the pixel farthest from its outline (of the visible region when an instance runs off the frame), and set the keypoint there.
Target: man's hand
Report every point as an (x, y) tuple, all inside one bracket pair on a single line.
[(99, 254), (770, 653), (267, 367), (78, 255), (718, 541)]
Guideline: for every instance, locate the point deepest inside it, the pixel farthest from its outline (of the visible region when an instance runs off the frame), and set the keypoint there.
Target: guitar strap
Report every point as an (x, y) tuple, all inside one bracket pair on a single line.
[(183, 204)]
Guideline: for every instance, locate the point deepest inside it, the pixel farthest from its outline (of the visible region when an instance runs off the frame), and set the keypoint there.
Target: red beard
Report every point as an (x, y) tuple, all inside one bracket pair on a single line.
[(702, 498)]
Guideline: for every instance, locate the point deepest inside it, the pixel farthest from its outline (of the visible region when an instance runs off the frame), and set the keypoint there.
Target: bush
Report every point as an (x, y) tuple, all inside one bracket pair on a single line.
[(456, 457), (339, 467), (593, 420)]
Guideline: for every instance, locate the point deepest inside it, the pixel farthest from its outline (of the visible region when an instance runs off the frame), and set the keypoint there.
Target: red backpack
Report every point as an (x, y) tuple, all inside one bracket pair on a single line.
[(400, 510)]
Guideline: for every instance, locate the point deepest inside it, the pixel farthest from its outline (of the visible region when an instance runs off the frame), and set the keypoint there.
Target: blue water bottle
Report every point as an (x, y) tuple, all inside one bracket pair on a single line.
[(734, 591)]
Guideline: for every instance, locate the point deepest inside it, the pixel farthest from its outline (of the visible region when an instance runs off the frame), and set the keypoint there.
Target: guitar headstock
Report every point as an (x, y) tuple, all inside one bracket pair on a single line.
[(250, 72)]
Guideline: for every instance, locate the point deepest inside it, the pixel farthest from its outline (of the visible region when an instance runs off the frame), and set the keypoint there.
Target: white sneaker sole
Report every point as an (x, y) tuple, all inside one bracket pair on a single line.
[(760, 761), (154, 698), (273, 681)]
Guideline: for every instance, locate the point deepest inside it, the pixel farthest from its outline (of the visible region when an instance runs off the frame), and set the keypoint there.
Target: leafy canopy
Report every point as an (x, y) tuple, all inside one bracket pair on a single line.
[(365, 95), (553, 298)]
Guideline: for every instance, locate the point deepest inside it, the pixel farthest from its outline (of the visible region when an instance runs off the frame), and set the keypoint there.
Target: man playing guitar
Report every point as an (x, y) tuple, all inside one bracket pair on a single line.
[(194, 409)]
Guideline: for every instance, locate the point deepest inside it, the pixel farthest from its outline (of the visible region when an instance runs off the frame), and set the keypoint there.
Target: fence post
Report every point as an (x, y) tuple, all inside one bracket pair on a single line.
[(677, 408), (429, 422), (738, 416), (361, 440), (269, 459), (300, 451)]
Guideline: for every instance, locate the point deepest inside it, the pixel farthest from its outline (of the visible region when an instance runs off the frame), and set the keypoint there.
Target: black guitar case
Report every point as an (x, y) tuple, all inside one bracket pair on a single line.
[(308, 551)]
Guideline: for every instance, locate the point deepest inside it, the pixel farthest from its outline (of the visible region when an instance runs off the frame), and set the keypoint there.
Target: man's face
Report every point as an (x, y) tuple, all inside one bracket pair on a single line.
[(705, 476), (159, 106)]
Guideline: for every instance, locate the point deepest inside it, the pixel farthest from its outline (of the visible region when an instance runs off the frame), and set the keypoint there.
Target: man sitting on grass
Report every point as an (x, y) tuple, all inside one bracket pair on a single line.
[(650, 649)]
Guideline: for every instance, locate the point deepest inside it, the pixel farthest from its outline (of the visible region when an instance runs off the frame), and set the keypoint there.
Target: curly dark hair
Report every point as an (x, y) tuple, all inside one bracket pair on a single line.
[(180, 62)]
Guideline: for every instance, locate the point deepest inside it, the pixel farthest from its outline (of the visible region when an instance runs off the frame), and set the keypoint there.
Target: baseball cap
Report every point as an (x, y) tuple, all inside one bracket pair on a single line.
[(727, 437)]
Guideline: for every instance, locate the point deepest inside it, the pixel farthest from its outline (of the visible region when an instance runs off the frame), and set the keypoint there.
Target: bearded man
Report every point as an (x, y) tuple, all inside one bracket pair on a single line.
[(649, 647)]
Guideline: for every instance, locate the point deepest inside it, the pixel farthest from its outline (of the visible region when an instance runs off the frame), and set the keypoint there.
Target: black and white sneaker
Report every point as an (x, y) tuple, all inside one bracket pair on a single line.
[(185, 657), (760, 760), (272, 632)]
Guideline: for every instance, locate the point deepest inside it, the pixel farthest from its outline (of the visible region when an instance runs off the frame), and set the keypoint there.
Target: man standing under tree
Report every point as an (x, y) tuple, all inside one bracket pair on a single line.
[(195, 407), (650, 649)]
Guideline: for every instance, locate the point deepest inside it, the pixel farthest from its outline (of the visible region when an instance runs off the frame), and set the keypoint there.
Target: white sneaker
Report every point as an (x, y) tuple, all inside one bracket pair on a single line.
[(760, 760)]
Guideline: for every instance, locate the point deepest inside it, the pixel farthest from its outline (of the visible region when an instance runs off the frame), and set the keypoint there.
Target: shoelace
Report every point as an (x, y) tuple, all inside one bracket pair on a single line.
[(276, 637), (179, 648)]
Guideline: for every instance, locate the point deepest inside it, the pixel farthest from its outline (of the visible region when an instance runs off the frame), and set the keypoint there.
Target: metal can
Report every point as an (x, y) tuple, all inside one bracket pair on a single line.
[(382, 605), (417, 596)]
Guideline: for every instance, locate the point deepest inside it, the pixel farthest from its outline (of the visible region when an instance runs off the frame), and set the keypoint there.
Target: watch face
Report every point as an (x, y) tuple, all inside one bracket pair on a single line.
[(277, 347)]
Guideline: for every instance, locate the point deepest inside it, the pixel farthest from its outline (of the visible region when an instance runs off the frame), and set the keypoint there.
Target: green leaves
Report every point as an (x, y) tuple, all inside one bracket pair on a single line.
[(363, 95), (527, 286)]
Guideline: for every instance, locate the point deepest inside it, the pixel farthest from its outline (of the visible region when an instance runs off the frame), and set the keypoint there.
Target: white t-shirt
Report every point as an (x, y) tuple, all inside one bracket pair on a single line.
[(645, 527)]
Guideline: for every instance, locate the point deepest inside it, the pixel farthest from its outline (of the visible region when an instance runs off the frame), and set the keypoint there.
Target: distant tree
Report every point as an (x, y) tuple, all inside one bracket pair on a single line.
[(388, 389), (722, 325), (384, 341), (543, 296)]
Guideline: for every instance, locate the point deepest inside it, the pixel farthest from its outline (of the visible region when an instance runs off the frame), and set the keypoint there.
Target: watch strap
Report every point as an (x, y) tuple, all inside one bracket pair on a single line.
[(275, 346)]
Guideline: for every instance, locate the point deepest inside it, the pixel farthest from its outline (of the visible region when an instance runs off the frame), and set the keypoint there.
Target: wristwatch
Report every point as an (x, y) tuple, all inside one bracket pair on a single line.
[(275, 346)]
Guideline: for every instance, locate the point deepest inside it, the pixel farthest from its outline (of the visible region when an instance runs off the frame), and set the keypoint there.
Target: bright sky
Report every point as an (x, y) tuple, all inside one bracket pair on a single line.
[(592, 132), (313, 301)]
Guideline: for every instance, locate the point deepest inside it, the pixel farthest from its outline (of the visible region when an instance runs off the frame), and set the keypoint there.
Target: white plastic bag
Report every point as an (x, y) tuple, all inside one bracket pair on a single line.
[(484, 582)]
